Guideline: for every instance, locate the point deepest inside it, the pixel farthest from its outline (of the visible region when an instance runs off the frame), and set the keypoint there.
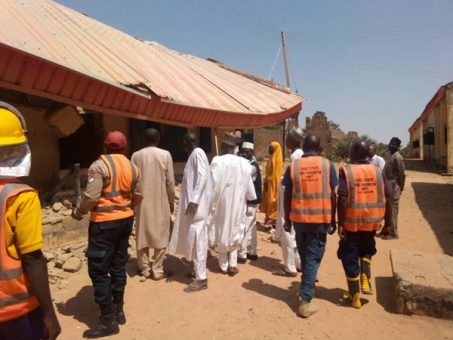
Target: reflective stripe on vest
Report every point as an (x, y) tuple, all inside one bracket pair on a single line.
[(115, 200), (311, 194), (366, 199), (15, 297)]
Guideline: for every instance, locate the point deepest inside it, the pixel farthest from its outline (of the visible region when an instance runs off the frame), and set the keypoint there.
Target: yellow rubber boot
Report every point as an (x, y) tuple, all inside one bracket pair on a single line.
[(365, 284), (354, 291)]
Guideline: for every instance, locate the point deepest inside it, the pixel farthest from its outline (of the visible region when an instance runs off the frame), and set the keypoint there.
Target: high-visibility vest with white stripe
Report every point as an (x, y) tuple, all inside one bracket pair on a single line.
[(15, 297), (115, 200), (366, 197), (311, 194)]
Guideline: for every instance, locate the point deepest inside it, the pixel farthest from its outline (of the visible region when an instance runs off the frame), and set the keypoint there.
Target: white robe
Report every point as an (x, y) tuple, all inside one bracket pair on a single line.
[(233, 186), (196, 187), (291, 258)]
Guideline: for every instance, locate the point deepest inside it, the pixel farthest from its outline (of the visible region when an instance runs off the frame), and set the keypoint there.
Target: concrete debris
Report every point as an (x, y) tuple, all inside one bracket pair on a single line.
[(72, 265), (67, 204), (49, 256), (61, 259), (423, 283), (57, 206)]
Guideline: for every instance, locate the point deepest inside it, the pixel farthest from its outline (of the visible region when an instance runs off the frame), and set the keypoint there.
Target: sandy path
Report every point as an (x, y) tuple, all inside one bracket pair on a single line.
[(257, 305)]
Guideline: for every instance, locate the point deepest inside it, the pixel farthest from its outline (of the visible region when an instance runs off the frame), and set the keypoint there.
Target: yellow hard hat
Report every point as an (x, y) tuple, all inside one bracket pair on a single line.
[(12, 129)]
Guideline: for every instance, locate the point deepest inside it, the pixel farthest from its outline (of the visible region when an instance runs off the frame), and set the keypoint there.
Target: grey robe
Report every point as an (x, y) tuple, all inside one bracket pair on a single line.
[(158, 191)]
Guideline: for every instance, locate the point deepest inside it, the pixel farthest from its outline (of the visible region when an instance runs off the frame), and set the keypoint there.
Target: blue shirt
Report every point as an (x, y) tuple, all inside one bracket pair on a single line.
[(288, 183)]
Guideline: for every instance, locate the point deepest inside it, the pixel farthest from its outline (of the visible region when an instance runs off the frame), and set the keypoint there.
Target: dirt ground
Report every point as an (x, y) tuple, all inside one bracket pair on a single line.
[(258, 305)]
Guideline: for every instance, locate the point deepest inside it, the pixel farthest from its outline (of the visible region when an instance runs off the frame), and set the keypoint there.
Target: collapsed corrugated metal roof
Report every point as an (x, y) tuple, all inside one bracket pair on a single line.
[(50, 50)]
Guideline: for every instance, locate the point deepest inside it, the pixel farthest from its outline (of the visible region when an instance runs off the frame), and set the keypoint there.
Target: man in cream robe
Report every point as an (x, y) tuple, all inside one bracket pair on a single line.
[(233, 186), (153, 213), (190, 234)]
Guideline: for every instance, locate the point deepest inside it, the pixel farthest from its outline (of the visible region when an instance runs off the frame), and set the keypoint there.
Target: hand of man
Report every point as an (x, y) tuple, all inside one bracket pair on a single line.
[(333, 227), (77, 214), (192, 209), (287, 226), (341, 232), (52, 326)]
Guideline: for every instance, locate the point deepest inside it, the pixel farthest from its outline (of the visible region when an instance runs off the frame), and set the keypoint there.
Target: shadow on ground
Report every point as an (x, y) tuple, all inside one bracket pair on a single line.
[(385, 293), (435, 202), (290, 294), (422, 166), (81, 307), (266, 263)]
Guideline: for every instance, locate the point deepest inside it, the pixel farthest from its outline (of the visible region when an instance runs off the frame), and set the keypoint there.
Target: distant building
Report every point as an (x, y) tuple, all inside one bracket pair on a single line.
[(318, 125), (431, 134)]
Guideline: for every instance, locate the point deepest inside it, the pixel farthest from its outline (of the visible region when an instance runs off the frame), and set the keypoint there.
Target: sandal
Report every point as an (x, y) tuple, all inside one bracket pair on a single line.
[(232, 271), (196, 285), (283, 272), (164, 275)]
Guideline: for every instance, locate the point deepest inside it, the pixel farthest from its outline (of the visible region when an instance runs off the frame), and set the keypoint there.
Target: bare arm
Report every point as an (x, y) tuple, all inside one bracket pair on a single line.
[(401, 174), (170, 183), (35, 266), (342, 204), (287, 208)]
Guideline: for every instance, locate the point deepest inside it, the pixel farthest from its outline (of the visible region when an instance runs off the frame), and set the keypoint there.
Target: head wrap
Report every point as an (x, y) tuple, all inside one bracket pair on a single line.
[(395, 142)]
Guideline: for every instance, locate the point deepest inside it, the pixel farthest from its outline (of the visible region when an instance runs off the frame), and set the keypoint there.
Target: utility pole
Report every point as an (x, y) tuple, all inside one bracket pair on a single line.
[(285, 60), (288, 84)]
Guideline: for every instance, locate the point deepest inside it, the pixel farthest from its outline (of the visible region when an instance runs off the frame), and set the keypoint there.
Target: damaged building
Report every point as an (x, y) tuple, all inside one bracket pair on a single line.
[(75, 78)]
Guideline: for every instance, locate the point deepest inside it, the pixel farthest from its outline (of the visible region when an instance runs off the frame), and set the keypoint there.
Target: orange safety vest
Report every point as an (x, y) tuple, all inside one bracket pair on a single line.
[(115, 200), (311, 194), (15, 296), (366, 197)]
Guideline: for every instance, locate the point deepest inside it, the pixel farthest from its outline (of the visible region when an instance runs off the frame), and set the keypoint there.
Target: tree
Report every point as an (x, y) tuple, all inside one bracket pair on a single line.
[(333, 125)]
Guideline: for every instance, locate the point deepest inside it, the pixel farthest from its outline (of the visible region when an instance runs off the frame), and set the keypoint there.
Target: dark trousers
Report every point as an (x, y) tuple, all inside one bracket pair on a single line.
[(311, 247), (26, 327), (355, 246), (107, 258)]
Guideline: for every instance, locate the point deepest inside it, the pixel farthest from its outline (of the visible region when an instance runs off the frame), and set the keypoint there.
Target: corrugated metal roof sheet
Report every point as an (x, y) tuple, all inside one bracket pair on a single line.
[(48, 49), (438, 96)]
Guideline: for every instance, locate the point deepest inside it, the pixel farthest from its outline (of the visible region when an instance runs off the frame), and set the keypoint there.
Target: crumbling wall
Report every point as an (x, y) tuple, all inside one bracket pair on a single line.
[(262, 138), (44, 145), (59, 228), (318, 125)]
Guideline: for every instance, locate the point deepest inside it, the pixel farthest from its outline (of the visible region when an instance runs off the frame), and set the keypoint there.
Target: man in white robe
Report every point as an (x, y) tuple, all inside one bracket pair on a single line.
[(233, 186), (290, 254), (190, 234), (152, 215)]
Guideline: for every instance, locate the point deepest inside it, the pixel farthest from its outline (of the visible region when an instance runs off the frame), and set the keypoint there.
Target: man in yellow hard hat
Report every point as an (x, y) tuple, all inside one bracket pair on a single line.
[(26, 309)]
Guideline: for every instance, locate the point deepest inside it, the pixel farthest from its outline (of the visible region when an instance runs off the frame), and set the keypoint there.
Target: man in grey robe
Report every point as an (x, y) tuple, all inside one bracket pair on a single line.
[(394, 173), (153, 213)]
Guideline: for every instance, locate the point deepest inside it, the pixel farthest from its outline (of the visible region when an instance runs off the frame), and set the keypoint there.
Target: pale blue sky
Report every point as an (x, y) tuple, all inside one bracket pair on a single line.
[(370, 65)]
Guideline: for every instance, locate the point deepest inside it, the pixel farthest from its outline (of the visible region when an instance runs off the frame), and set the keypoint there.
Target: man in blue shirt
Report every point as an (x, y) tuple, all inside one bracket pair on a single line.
[(310, 204)]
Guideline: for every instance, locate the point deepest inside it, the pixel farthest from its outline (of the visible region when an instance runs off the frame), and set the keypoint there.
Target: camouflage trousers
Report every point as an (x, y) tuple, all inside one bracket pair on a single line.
[(394, 202)]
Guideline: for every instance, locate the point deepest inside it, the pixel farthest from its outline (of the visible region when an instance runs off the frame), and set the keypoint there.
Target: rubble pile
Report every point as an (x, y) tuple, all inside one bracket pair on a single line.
[(56, 213), (64, 261)]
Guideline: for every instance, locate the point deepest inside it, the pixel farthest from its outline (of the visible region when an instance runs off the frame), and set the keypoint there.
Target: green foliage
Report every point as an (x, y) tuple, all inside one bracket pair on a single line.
[(340, 151), (333, 125)]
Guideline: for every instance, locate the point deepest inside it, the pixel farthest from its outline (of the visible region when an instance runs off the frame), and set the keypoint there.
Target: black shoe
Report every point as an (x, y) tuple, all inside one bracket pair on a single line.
[(120, 316), (242, 260), (252, 257), (107, 326)]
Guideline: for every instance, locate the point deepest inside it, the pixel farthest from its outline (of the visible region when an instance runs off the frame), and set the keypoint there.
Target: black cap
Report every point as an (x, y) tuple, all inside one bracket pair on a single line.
[(395, 141)]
